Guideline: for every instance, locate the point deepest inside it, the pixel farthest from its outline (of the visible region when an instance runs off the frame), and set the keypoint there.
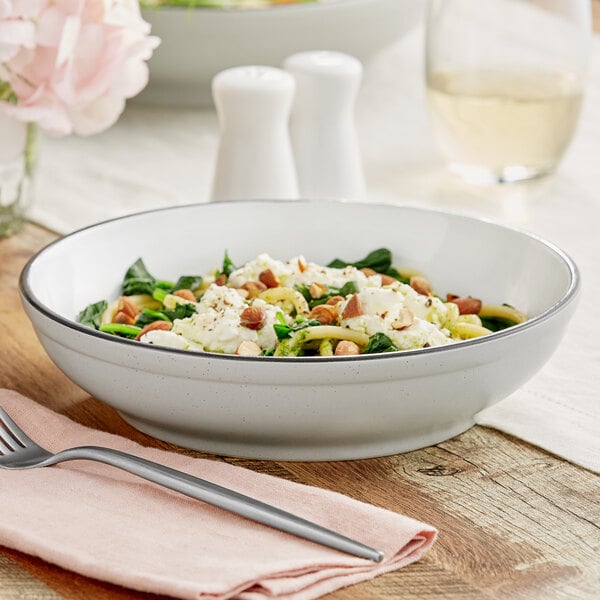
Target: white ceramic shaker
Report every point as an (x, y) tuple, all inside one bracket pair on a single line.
[(254, 159), (322, 124)]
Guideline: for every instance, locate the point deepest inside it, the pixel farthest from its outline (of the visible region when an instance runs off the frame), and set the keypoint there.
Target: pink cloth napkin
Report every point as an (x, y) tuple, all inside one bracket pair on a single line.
[(105, 523)]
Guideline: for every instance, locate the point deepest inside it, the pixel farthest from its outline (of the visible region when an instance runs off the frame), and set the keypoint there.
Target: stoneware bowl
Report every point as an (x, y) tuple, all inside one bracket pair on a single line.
[(301, 408), (199, 42)]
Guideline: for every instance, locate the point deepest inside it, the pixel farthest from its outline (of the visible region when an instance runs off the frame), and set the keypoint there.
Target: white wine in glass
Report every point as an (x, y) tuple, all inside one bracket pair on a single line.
[(504, 97)]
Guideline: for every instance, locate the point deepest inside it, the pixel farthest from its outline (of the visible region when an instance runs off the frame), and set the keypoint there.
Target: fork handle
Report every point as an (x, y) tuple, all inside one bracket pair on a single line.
[(221, 497)]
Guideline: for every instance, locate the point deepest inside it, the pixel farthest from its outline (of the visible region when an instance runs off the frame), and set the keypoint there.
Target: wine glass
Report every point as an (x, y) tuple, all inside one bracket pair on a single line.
[(505, 80)]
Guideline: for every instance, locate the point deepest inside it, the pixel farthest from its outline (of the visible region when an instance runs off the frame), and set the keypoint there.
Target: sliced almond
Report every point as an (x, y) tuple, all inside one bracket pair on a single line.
[(316, 290), (334, 300), (387, 279), (253, 317), (404, 319), (301, 265), (468, 305), (254, 288), (324, 313), (124, 318), (154, 326), (421, 285), (353, 308), (221, 279), (128, 306), (185, 294), (248, 348), (368, 272), (269, 278), (346, 348)]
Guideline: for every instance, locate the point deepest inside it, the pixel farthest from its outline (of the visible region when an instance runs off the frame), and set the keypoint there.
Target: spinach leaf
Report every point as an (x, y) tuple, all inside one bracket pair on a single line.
[(91, 314), (496, 323), (379, 343), (228, 267), (149, 316), (282, 330), (181, 311), (379, 260), (347, 289), (188, 282), (138, 280)]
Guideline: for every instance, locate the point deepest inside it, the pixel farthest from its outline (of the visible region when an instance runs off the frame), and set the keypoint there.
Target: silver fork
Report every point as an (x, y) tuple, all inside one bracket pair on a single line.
[(18, 451)]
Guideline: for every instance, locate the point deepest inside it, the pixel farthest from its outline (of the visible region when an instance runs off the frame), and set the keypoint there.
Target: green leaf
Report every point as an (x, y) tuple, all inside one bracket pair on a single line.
[(330, 291), (138, 280), (228, 267), (497, 323), (379, 343), (149, 316), (182, 311), (283, 331), (291, 346), (348, 289), (91, 314), (188, 282), (379, 260)]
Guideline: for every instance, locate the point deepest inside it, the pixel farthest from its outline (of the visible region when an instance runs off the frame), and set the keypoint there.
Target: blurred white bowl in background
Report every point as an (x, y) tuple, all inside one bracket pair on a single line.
[(197, 43)]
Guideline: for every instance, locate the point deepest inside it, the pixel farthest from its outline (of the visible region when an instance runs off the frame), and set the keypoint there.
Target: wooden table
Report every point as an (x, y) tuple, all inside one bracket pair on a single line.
[(515, 522)]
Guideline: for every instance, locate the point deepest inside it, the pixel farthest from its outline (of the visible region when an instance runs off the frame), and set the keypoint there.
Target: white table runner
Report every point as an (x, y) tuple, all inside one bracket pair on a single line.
[(156, 157)]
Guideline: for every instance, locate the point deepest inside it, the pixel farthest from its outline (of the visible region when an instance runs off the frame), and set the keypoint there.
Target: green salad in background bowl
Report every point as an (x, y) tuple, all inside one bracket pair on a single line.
[(199, 38), (223, 3)]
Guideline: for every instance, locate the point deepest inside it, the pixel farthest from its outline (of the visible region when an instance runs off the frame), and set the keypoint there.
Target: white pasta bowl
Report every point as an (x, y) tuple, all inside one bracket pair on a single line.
[(301, 408), (198, 42)]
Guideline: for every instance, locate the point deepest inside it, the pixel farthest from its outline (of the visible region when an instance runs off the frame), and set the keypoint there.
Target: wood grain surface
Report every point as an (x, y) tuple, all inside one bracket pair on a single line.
[(516, 523)]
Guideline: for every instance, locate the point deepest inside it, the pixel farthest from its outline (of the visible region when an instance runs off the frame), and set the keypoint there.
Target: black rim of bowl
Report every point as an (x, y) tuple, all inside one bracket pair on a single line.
[(567, 298)]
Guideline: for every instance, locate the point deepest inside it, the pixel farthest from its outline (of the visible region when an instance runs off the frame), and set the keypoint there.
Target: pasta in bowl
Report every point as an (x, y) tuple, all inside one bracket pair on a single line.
[(297, 400), (269, 307)]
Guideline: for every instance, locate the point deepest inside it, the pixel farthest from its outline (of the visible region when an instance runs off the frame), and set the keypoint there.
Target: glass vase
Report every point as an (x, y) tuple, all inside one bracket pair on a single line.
[(17, 166)]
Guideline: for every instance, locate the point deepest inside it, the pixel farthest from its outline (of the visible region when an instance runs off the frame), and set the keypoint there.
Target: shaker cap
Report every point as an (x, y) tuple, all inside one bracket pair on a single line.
[(324, 63)]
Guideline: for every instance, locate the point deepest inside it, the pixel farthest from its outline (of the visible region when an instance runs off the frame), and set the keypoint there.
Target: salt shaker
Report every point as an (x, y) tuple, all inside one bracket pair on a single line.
[(255, 158), (322, 127)]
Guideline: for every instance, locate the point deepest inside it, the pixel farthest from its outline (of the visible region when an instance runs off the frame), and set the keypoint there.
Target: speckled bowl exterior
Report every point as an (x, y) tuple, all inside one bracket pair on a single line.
[(303, 408)]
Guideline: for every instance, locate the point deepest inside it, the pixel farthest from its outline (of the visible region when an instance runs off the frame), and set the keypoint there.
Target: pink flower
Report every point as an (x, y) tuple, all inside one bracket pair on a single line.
[(71, 64)]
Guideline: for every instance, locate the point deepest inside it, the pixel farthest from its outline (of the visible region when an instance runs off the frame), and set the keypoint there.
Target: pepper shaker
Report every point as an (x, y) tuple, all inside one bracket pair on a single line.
[(255, 158), (322, 128)]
